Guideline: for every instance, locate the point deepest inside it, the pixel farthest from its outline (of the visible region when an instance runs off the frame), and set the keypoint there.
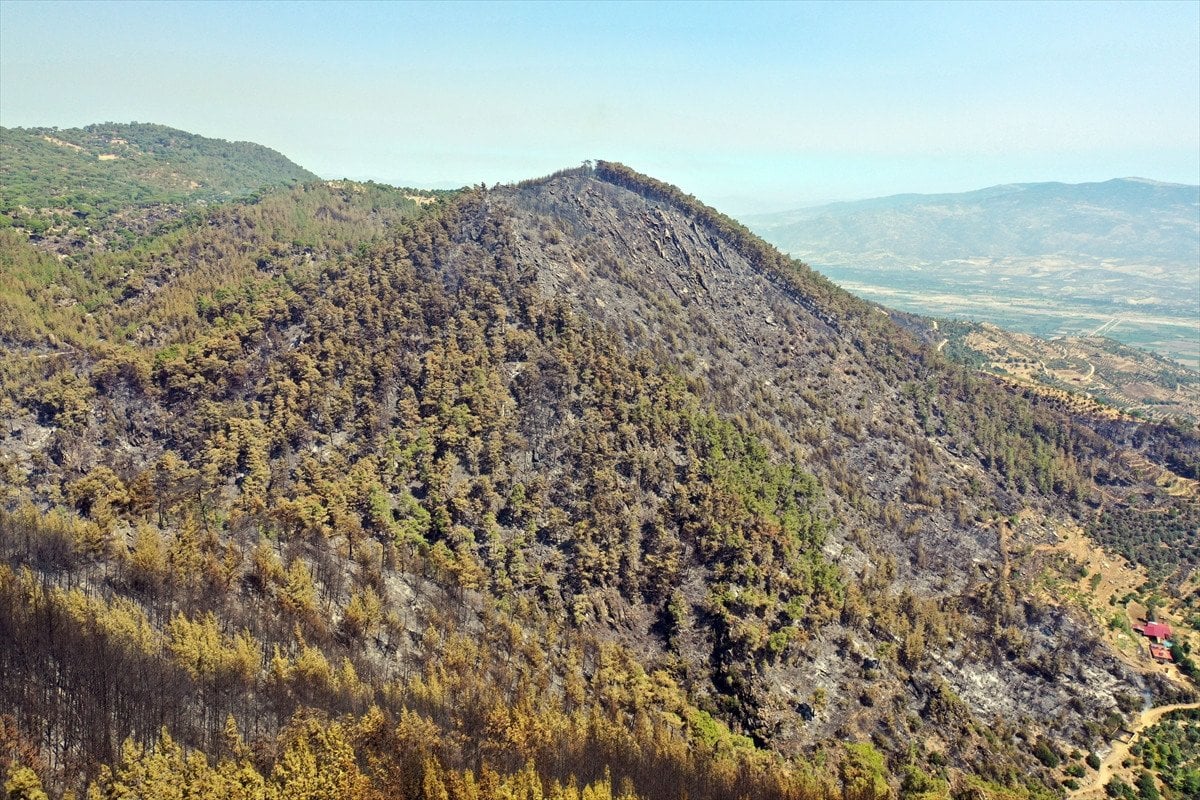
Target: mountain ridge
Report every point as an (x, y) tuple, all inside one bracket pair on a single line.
[(775, 218)]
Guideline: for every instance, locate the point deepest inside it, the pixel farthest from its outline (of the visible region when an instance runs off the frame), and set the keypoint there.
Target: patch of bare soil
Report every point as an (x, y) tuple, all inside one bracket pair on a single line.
[(61, 143)]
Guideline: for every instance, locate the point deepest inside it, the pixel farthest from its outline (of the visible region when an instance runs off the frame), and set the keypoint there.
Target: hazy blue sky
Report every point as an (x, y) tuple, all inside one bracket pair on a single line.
[(748, 106)]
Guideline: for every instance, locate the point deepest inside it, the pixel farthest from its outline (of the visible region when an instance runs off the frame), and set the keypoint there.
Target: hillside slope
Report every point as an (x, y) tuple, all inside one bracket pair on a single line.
[(51, 179), (573, 481)]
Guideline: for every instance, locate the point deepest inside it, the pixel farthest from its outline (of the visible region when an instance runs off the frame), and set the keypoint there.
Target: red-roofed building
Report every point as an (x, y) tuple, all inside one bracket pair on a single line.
[(1156, 630), (1160, 653)]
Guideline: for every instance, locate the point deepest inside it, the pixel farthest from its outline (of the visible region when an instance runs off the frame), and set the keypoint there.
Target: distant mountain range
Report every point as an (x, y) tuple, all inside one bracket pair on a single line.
[(1044, 258), (1131, 219)]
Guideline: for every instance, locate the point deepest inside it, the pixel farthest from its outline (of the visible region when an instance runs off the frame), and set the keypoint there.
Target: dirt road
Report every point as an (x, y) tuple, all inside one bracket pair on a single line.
[(1120, 751)]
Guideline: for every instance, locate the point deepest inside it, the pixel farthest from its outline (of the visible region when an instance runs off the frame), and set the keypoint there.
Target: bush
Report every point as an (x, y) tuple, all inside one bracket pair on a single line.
[(1119, 790), (1045, 754)]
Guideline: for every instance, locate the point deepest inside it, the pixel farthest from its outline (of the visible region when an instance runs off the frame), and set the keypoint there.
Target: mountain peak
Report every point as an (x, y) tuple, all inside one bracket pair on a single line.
[(570, 481)]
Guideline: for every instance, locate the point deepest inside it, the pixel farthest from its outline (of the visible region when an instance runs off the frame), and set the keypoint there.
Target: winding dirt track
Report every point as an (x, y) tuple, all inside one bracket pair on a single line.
[(1120, 751)]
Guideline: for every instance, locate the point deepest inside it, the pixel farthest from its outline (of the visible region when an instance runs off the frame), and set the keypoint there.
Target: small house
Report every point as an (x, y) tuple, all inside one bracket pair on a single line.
[(1160, 653), (1154, 630)]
